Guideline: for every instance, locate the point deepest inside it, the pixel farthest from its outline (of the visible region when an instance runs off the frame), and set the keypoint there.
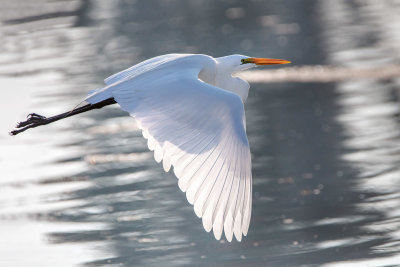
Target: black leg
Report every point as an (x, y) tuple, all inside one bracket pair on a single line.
[(35, 120)]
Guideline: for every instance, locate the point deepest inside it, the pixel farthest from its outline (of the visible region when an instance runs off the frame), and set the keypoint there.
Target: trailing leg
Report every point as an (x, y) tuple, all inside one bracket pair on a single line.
[(35, 120)]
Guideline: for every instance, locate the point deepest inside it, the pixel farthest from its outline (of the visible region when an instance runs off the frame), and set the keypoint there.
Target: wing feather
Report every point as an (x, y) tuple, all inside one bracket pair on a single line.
[(141, 67), (197, 129)]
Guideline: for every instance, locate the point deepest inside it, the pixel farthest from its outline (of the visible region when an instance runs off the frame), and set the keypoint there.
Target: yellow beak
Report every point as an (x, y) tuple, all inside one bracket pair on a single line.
[(267, 61)]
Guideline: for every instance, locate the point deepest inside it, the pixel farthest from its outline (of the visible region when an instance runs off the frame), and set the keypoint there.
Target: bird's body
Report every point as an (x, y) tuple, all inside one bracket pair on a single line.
[(190, 110), (216, 72)]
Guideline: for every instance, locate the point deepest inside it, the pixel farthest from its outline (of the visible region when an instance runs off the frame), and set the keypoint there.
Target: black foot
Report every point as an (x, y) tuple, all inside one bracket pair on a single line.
[(32, 118), (35, 115)]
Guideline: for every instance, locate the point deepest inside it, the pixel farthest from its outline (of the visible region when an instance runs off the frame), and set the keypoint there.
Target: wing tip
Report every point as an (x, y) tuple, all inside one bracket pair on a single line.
[(230, 227)]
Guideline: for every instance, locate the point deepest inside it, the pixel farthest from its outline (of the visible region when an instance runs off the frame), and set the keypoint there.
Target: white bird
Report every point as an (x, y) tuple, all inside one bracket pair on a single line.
[(190, 109)]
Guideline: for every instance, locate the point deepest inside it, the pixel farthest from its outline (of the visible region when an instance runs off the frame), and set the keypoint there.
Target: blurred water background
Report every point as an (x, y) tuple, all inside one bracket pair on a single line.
[(326, 155)]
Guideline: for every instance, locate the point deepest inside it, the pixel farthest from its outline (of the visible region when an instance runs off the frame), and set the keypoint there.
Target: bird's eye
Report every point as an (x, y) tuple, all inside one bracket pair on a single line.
[(246, 60)]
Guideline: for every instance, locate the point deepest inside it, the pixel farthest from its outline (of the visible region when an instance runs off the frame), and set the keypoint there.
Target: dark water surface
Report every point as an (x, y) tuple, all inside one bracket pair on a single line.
[(326, 173)]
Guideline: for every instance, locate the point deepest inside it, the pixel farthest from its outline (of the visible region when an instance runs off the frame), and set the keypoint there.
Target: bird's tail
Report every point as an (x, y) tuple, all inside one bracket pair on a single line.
[(98, 95)]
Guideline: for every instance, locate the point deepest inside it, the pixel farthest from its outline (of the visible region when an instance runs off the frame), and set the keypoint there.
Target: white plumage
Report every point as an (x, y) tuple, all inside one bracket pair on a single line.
[(190, 110)]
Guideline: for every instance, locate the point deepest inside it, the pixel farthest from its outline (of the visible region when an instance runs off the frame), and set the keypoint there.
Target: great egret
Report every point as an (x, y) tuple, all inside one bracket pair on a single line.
[(190, 110)]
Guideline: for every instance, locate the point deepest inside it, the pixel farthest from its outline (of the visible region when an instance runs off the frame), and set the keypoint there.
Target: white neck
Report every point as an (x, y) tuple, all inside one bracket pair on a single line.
[(224, 80)]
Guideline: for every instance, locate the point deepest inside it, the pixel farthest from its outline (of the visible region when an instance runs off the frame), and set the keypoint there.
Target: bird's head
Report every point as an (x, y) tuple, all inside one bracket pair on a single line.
[(240, 62)]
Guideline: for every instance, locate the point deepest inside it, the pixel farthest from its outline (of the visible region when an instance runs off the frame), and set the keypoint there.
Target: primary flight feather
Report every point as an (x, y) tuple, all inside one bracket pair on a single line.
[(190, 110)]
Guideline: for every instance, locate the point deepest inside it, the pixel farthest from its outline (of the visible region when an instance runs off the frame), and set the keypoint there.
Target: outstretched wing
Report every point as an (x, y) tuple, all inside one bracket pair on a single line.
[(199, 130), (142, 67)]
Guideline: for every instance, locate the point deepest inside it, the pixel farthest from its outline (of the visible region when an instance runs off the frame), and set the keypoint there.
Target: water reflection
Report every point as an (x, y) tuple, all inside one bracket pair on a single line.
[(369, 117), (325, 156)]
